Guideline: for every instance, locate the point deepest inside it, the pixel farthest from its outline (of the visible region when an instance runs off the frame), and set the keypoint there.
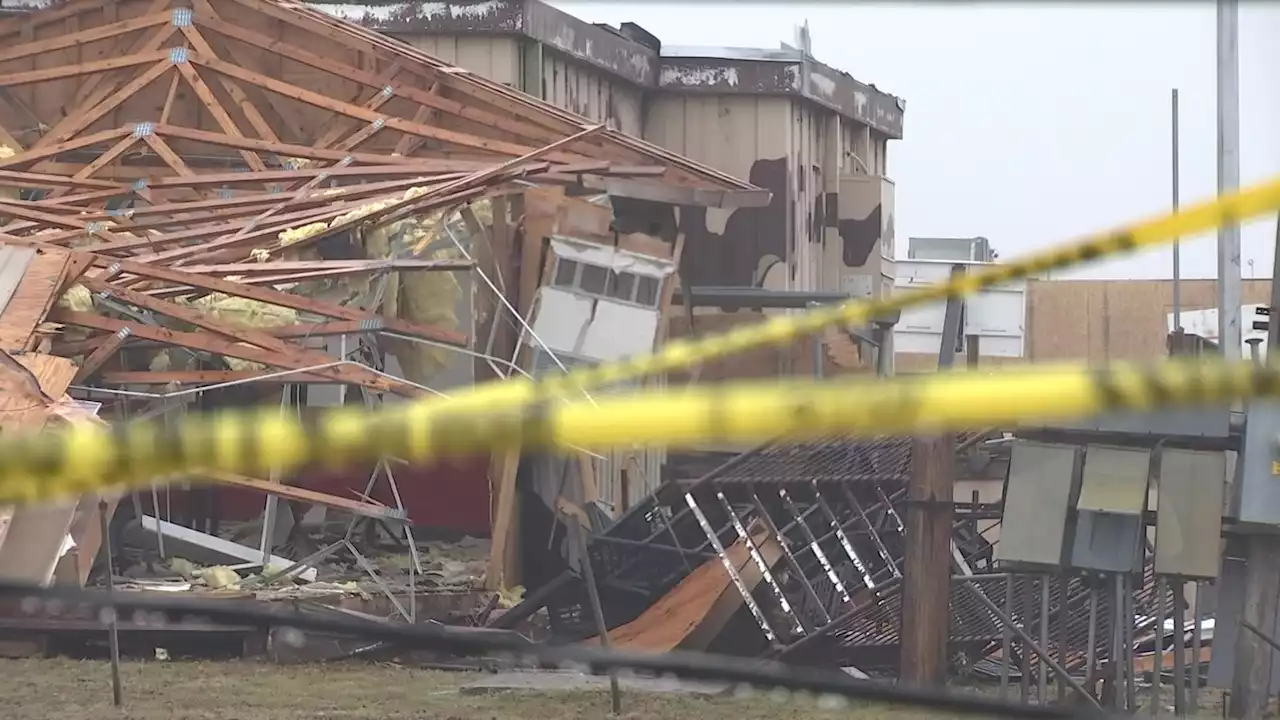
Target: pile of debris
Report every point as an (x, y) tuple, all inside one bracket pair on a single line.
[(207, 204)]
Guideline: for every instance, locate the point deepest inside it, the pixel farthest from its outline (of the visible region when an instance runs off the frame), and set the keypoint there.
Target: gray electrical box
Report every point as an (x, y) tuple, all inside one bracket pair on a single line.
[(1039, 492), (1189, 513), (1108, 527), (1257, 496)]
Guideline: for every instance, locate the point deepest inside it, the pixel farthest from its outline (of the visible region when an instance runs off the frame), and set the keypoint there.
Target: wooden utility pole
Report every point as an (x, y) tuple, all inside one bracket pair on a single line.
[(926, 581)]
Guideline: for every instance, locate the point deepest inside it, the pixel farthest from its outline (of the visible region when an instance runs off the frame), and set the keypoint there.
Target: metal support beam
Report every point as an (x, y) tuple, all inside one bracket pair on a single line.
[(1229, 290)]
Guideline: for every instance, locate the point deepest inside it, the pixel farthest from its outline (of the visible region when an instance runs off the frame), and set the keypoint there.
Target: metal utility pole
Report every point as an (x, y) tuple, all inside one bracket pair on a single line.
[(1177, 245), (1229, 291)]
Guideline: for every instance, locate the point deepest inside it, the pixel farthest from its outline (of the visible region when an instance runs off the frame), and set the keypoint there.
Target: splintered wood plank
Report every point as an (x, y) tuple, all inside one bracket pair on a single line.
[(28, 384), (279, 298), (504, 557), (695, 611), (301, 494), (29, 387), (31, 301), (211, 343)]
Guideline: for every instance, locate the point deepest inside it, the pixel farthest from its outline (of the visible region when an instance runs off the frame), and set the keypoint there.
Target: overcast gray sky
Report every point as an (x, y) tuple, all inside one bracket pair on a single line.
[(1029, 124)]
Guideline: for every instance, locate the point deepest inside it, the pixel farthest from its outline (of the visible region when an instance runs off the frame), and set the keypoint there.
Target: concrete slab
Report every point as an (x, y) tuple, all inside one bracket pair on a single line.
[(553, 682)]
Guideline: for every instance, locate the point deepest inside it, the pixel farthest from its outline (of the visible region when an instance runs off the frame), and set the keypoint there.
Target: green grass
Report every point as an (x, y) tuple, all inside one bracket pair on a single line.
[(59, 689), (81, 690)]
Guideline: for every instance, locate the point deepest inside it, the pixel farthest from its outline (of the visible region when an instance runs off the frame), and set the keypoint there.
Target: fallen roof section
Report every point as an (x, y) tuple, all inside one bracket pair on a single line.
[(266, 82)]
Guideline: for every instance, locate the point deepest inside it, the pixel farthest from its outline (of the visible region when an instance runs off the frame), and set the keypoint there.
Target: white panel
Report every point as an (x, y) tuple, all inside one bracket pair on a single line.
[(1205, 324), (997, 316), (611, 257), (593, 328)]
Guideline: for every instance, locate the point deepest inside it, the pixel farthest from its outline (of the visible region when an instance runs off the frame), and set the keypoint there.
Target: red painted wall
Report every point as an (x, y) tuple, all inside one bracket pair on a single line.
[(451, 495)]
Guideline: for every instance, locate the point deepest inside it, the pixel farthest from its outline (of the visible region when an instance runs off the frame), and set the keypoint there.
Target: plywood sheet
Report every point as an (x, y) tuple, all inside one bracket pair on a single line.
[(33, 536), (1105, 321), (32, 299), (27, 385), (695, 611)]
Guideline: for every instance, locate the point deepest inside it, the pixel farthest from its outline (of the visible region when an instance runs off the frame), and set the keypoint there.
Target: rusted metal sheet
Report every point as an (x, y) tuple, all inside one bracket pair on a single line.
[(532, 19)]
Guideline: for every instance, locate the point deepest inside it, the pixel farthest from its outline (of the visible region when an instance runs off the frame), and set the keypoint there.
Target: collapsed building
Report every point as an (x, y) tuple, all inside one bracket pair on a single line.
[(353, 204)]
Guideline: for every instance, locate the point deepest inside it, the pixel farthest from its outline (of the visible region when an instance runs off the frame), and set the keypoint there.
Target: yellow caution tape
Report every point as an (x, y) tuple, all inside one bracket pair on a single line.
[(89, 458), (502, 414), (783, 330)]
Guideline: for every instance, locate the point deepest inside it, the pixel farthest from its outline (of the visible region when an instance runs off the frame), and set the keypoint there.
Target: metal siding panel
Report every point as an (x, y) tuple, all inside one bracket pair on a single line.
[(1198, 423), (1188, 516), (1107, 542), (628, 108), (665, 124), (1259, 492), (476, 55), (1115, 480), (1037, 499)]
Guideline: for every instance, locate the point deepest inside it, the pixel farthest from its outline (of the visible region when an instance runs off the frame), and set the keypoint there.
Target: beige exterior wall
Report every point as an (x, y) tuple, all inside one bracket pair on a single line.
[(588, 92), (1105, 321), (727, 132), (494, 58), (542, 73)]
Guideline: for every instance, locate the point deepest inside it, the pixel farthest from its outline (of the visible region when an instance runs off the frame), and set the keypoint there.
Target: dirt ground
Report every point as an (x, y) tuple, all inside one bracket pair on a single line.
[(81, 690)]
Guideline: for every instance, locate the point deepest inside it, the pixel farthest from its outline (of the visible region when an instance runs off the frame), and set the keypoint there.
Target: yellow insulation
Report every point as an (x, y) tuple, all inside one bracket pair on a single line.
[(426, 298), (421, 297), (77, 298)]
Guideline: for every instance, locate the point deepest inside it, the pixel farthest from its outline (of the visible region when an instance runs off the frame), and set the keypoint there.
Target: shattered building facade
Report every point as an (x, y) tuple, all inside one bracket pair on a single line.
[(812, 135)]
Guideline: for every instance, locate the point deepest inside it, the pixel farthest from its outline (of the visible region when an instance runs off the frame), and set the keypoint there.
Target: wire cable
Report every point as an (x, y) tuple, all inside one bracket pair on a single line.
[(480, 642)]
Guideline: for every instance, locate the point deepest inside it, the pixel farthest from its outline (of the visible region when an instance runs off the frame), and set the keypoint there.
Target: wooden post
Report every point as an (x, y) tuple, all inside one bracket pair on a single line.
[(926, 586), (926, 581)]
